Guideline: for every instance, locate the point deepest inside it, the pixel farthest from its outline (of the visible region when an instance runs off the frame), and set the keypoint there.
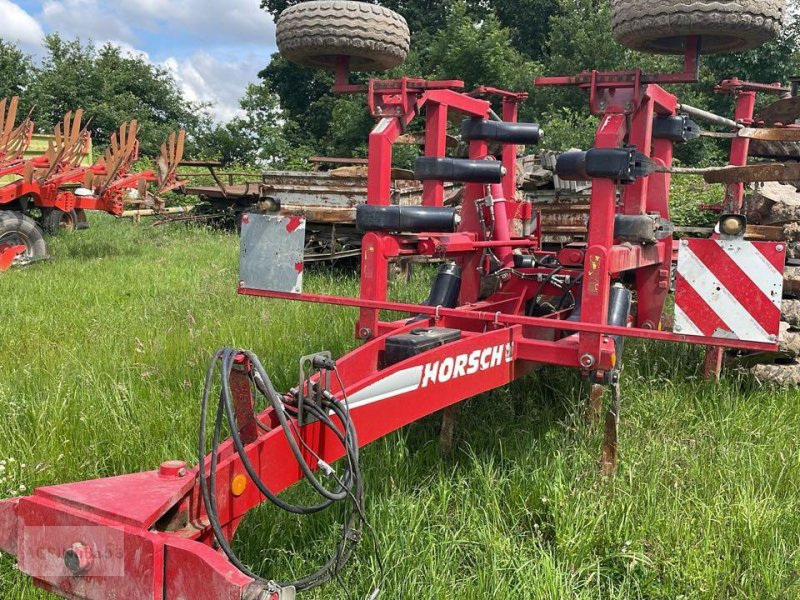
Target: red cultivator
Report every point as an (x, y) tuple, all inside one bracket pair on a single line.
[(62, 188), (500, 308)]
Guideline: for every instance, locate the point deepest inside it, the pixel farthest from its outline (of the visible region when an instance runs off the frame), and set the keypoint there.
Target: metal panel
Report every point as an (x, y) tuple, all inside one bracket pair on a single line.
[(271, 255), (729, 289)]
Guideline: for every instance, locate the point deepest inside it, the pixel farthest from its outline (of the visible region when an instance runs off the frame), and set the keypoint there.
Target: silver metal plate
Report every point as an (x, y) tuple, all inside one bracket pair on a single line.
[(271, 253)]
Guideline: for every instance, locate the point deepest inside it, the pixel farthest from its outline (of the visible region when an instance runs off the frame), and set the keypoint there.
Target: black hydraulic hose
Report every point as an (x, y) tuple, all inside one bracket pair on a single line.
[(351, 486)]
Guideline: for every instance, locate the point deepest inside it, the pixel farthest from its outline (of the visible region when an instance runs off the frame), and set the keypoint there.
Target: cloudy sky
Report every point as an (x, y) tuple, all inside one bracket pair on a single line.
[(213, 47)]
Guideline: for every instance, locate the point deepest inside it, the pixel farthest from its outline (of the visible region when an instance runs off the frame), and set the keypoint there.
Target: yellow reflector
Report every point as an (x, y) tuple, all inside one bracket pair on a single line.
[(238, 485)]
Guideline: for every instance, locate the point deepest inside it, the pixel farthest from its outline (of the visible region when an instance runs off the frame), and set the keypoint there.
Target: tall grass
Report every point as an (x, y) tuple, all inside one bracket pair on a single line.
[(104, 350)]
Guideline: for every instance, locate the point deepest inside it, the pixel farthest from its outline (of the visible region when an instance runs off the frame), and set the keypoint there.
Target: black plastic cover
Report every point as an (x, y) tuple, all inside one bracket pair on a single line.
[(409, 219), (639, 229), (458, 169), (446, 286), (623, 165), (402, 347), (499, 131), (679, 128), (524, 261)]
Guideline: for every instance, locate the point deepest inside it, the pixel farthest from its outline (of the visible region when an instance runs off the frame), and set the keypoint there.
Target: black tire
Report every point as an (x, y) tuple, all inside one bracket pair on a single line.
[(661, 26), (18, 229), (56, 221), (776, 150), (314, 34)]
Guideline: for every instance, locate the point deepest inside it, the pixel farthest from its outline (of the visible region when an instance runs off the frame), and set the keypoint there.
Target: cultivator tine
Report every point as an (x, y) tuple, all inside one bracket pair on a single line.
[(594, 410), (28, 172), (66, 149), (119, 155), (171, 156), (13, 140), (608, 461), (9, 118)]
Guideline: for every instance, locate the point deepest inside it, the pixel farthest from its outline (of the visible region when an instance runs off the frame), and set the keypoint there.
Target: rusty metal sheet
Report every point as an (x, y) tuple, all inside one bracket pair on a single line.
[(748, 174), (565, 217), (271, 253), (771, 134)]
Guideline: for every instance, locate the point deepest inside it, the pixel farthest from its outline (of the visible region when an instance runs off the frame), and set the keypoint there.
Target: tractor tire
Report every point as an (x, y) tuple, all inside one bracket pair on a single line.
[(56, 221), (18, 229), (775, 150), (316, 34), (724, 25)]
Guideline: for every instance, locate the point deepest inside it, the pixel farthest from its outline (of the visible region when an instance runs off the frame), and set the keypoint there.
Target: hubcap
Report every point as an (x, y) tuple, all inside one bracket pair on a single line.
[(67, 222)]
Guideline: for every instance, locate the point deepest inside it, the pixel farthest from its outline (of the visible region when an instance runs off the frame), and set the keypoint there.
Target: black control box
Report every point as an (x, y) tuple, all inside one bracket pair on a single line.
[(402, 347)]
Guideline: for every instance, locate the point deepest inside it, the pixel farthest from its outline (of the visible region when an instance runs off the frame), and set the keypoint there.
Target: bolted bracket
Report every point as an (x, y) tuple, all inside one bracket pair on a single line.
[(309, 390)]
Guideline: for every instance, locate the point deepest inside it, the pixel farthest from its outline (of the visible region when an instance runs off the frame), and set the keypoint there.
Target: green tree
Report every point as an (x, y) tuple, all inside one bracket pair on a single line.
[(16, 68), (112, 87)]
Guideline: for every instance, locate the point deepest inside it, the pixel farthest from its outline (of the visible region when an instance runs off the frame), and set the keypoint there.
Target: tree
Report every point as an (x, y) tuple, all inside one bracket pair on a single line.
[(112, 87), (16, 69)]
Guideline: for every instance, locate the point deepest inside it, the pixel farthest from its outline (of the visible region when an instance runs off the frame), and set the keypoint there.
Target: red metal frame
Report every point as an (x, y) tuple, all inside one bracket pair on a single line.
[(158, 518), (50, 193), (54, 189)]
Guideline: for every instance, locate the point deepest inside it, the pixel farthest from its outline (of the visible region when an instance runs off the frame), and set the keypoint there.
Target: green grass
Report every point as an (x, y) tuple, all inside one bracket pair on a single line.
[(104, 351)]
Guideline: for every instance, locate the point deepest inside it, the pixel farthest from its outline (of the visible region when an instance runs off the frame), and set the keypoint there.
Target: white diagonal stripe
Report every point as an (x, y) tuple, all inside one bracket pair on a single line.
[(741, 323), (402, 382), (684, 325), (757, 268)]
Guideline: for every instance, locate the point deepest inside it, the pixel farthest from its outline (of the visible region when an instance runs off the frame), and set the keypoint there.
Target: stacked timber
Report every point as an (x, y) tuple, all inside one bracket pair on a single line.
[(777, 205)]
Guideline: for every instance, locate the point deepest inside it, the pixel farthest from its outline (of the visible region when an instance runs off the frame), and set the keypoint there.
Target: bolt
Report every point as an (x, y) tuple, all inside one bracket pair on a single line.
[(648, 325), (78, 559), (588, 361), (241, 283), (172, 468), (685, 243), (773, 338), (365, 333), (779, 248), (678, 328)]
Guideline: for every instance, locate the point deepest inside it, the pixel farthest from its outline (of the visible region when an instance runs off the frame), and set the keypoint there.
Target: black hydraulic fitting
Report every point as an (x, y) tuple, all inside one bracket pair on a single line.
[(408, 219), (619, 309), (499, 131), (458, 169)]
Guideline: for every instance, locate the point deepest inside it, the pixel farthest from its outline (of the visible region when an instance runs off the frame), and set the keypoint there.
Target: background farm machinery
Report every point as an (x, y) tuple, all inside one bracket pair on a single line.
[(327, 199), (53, 191), (501, 307)]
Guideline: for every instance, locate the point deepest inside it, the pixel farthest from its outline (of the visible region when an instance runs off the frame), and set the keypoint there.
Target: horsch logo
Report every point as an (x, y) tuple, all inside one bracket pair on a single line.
[(462, 365)]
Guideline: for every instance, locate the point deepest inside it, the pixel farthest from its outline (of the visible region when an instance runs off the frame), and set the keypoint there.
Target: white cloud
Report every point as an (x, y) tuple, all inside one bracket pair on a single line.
[(87, 19), (206, 21), (205, 78), (18, 26), (213, 48)]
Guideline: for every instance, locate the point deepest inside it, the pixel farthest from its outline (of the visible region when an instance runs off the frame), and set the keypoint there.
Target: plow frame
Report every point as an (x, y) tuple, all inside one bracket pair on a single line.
[(57, 186), (68, 537)]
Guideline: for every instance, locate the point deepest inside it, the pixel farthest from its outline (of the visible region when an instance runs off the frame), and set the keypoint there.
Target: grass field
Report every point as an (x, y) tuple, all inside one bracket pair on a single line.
[(103, 355)]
